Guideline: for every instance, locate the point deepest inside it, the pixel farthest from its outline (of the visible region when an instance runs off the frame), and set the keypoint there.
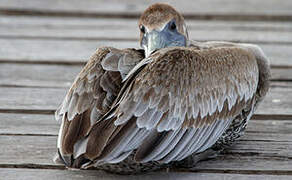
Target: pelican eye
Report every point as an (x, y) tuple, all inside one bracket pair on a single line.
[(142, 28), (172, 26)]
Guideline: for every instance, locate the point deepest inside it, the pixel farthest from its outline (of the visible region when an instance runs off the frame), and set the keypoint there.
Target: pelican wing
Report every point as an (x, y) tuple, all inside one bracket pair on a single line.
[(179, 104), (92, 94)]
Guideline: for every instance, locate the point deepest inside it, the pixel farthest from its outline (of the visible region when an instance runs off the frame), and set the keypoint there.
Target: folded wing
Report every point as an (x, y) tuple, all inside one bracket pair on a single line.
[(179, 104), (92, 95)]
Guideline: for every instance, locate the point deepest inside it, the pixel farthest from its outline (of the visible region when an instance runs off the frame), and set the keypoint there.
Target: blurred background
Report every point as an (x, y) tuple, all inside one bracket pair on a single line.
[(44, 44)]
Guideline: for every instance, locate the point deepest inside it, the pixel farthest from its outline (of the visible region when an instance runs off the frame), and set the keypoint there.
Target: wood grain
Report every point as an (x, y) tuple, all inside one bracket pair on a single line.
[(44, 44), (263, 151), (39, 150), (27, 149), (281, 74), (76, 51), (31, 98), (270, 127), (134, 8), (42, 76), (50, 75), (278, 100), (48, 51), (48, 22), (33, 174), (28, 124), (127, 29), (48, 174), (43, 124)]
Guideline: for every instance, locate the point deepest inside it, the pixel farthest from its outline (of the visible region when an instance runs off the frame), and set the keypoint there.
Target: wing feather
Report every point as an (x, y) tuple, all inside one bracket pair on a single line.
[(91, 96), (171, 145), (183, 144), (174, 103), (187, 146), (219, 81), (159, 147)]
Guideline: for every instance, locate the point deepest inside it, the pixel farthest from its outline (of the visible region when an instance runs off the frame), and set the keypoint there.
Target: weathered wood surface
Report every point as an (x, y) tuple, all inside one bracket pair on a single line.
[(45, 124), (121, 29), (76, 51), (49, 174), (271, 154), (31, 124), (278, 100), (52, 75), (47, 22), (261, 155), (42, 76), (41, 54), (134, 8), (70, 40)]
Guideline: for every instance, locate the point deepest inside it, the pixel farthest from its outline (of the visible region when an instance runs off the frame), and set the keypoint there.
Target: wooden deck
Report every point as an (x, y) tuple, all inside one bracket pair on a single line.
[(44, 44)]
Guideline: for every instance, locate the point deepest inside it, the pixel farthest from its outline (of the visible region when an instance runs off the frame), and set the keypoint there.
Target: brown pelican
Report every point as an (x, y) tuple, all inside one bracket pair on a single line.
[(171, 104)]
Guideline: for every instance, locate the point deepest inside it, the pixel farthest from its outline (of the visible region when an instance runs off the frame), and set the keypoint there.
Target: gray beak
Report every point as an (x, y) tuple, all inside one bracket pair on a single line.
[(155, 40)]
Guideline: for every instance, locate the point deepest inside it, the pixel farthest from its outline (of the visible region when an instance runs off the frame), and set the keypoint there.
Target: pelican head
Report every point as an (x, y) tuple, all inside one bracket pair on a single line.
[(161, 26)]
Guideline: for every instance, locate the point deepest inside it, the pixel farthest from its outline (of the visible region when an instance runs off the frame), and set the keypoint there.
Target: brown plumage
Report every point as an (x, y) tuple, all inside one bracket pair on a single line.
[(158, 14), (128, 113)]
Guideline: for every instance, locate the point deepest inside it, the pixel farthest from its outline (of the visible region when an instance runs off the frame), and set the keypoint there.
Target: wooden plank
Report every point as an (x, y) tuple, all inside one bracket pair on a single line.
[(31, 98), (270, 127), (47, 22), (38, 75), (282, 74), (272, 155), (268, 137), (27, 149), (76, 51), (269, 148), (117, 29), (252, 163), (276, 102), (44, 124), (28, 124), (63, 75), (48, 174), (54, 50), (132, 7), (247, 36), (39, 150)]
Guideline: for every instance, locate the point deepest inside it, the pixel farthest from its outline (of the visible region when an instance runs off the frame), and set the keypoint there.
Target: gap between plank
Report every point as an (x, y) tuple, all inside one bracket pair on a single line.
[(52, 111), (28, 111), (46, 62), (271, 116), (23, 37), (127, 15), (29, 86), (62, 87), (32, 166), (242, 140), (24, 134), (82, 63), (80, 38), (250, 172)]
